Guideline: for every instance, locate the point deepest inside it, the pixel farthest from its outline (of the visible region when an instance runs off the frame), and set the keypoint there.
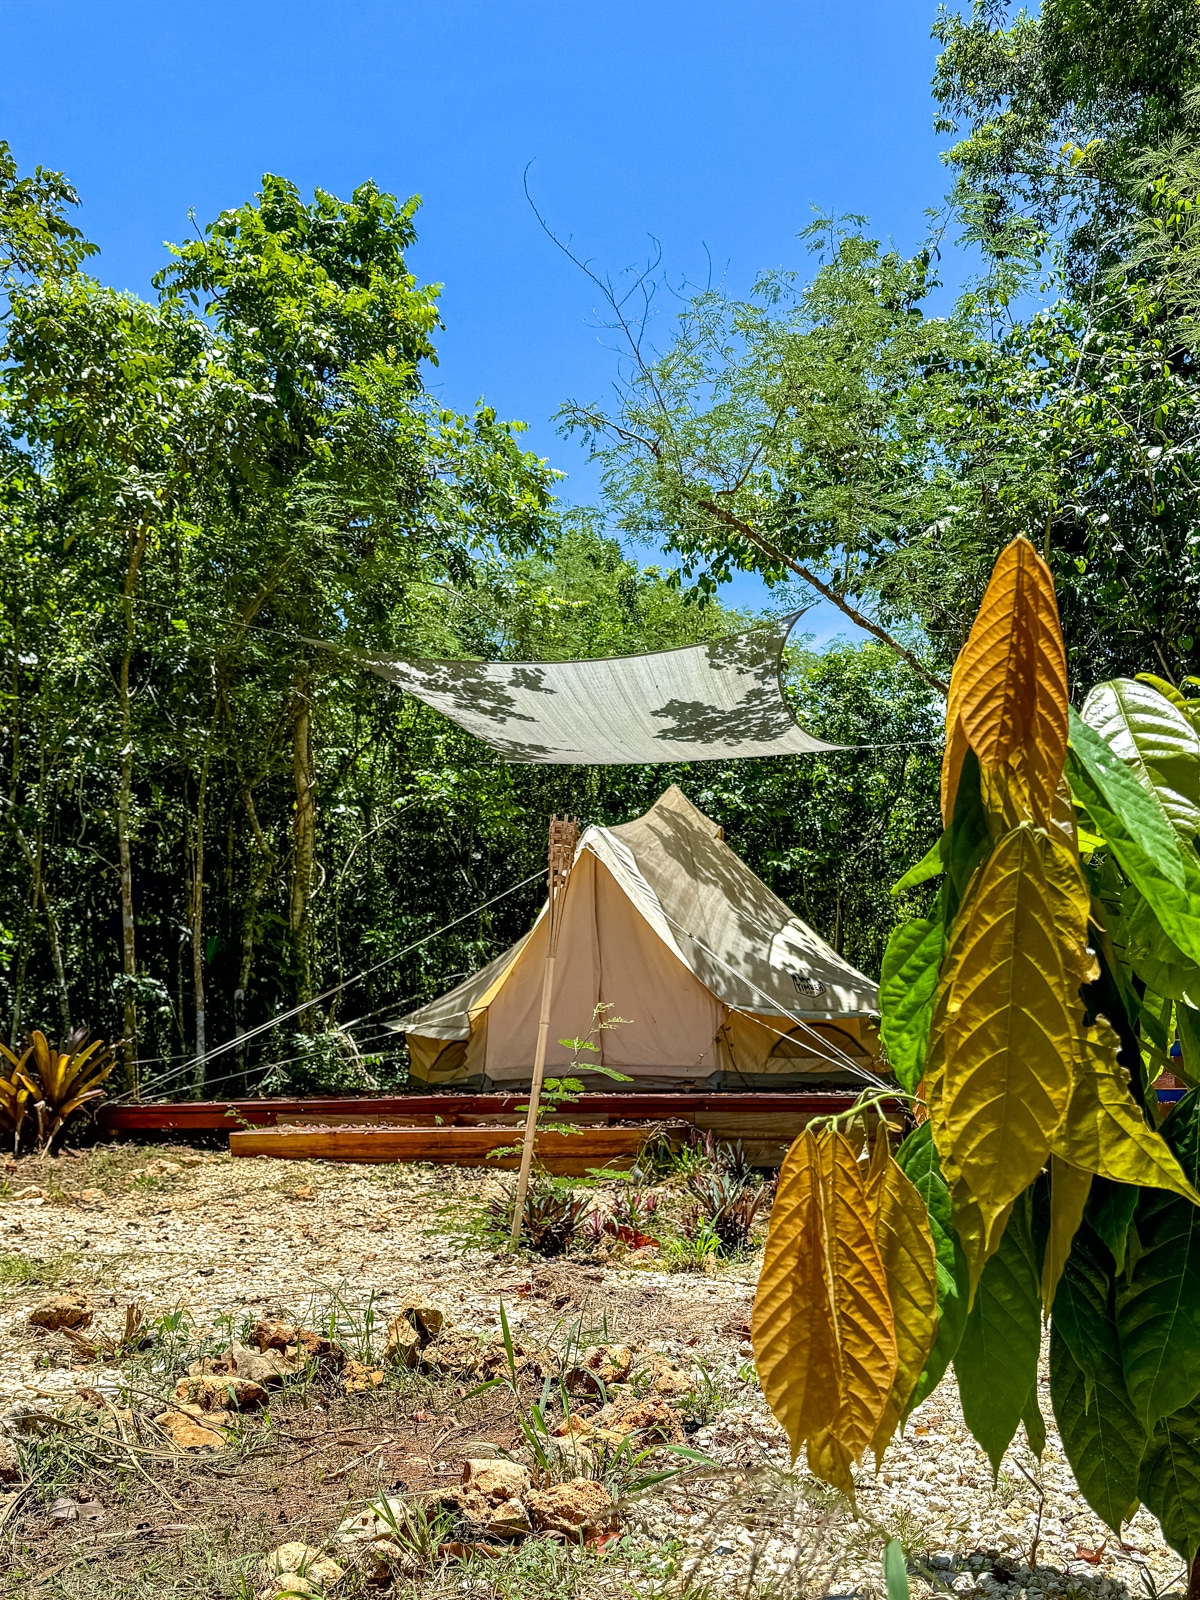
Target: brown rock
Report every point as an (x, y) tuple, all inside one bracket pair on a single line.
[(573, 1424), (357, 1379), (600, 1366), (305, 1559), (505, 1519), (403, 1343), (209, 1365), (454, 1355), (316, 1347), (62, 1311), (508, 1520), (217, 1392), (266, 1367), (496, 1480), (92, 1197), (651, 1419), (268, 1334), (382, 1558), (289, 1586), (427, 1319), (665, 1377), (10, 1462), (186, 1432), (578, 1509)]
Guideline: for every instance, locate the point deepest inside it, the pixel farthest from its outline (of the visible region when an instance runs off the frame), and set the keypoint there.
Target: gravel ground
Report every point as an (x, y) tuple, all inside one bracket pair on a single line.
[(220, 1238)]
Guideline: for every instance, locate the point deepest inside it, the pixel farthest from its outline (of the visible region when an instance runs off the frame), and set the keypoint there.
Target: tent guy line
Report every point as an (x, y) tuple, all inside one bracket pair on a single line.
[(327, 994), (839, 1059)]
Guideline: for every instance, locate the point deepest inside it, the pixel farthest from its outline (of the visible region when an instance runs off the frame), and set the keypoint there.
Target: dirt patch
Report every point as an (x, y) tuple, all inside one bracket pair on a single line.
[(179, 1260)]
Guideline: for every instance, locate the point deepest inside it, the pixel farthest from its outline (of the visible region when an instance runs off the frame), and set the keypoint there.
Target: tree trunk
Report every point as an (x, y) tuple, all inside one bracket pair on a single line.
[(19, 982), (1194, 1579), (60, 974), (125, 818), (196, 921), (254, 894), (197, 918), (33, 860), (304, 855)]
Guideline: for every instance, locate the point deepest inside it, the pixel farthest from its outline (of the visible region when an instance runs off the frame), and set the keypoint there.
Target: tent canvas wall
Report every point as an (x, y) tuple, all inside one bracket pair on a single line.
[(720, 984)]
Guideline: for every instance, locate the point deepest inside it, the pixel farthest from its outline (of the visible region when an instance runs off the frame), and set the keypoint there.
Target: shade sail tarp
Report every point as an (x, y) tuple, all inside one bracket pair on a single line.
[(707, 702), (719, 981)]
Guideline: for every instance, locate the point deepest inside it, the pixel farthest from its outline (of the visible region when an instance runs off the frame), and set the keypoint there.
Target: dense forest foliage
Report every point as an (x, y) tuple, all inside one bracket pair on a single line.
[(206, 821)]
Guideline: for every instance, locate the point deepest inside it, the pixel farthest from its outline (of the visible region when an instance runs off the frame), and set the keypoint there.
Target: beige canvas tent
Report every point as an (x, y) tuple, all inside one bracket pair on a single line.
[(720, 984)]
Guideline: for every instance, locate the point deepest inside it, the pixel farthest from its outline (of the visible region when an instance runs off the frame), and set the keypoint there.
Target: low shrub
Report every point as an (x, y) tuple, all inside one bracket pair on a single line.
[(553, 1216)]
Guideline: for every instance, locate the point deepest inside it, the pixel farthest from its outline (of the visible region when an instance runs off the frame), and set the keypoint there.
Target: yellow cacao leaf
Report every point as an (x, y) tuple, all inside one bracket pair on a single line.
[(1009, 685), (875, 1169), (1005, 1017), (909, 1258), (1069, 1189), (823, 1332), (956, 751), (793, 1327), (865, 1321), (1104, 1131)]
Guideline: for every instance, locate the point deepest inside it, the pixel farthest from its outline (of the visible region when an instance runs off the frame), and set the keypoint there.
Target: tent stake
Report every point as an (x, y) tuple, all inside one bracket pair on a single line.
[(564, 833)]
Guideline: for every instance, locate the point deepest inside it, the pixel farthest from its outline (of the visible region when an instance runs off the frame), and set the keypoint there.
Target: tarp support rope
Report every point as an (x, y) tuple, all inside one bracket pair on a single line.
[(286, 1016)]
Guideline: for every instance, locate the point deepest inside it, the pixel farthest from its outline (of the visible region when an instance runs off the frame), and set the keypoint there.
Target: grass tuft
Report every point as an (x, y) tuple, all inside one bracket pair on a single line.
[(16, 1271)]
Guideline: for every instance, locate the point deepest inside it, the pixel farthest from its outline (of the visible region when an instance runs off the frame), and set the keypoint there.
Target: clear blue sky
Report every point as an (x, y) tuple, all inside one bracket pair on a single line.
[(709, 126)]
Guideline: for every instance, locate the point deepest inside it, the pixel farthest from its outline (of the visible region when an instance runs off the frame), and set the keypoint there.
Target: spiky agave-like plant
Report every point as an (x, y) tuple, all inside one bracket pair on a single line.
[(63, 1081), (14, 1095)]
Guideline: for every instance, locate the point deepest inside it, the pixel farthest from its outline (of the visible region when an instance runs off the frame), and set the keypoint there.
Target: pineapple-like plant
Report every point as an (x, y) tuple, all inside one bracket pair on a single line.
[(14, 1096), (58, 1082)]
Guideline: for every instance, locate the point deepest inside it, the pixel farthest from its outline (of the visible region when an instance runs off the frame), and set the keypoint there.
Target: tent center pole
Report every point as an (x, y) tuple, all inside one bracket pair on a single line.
[(564, 833)]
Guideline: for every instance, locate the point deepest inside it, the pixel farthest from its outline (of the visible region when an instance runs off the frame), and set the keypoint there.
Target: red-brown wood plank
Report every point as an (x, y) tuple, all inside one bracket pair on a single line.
[(185, 1116), (562, 1153)]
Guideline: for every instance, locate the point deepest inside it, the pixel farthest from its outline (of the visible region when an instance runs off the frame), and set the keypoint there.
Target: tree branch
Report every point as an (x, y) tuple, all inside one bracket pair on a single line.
[(752, 536)]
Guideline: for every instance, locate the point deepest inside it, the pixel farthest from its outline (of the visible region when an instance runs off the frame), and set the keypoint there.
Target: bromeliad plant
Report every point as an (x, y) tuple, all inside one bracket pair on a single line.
[(14, 1097), (1027, 1016), (58, 1083)]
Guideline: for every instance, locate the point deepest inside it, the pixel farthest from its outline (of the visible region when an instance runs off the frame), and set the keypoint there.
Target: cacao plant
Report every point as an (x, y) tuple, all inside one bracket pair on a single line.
[(1026, 1018)]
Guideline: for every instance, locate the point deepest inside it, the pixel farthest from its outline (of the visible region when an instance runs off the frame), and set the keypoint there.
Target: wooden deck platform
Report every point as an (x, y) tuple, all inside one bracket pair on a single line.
[(565, 1154), (764, 1121)]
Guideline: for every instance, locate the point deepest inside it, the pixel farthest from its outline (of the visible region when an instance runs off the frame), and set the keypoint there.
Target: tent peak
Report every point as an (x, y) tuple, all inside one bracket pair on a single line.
[(675, 801)]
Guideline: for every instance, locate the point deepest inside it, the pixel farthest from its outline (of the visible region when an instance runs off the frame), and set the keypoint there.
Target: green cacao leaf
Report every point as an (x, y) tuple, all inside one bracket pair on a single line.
[(1157, 960), (1169, 1481), (968, 839), (1150, 853), (1110, 1210), (1156, 741), (906, 986), (919, 1160), (1102, 1438), (1187, 1066), (996, 1361), (1101, 1433), (1035, 1423), (1158, 1303), (930, 865)]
